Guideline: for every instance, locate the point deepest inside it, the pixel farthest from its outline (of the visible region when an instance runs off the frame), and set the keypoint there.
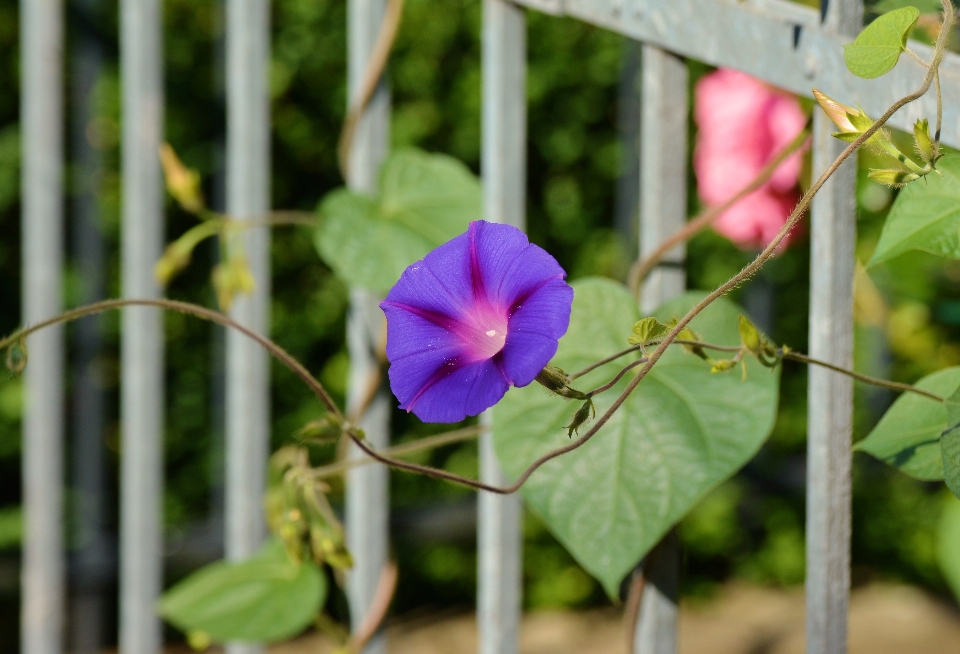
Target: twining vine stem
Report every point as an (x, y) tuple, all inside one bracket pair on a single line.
[(387, 456), (194, 310)]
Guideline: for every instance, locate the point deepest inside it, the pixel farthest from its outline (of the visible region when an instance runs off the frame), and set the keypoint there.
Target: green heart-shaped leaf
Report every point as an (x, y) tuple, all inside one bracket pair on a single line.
[(925, 216), (877, 48), (265, 599), (425, 200), (908, 435), (950, 444), (948, 543), (682, 432)]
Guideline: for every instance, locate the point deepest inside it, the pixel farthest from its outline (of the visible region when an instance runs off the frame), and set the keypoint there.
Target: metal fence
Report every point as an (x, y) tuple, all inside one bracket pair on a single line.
[(789, 45)]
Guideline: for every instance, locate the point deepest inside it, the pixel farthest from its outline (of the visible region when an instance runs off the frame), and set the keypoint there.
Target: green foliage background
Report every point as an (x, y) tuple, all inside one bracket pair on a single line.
[(751, 527)]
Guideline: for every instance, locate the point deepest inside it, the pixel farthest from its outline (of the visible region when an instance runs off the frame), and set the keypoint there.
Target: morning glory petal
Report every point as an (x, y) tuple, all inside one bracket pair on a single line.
[(478, 313), (536, 325), (462, 391)]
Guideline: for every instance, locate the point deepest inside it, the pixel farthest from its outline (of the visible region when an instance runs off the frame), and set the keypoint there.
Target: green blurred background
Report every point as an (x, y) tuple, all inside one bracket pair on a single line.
[(750, 528)]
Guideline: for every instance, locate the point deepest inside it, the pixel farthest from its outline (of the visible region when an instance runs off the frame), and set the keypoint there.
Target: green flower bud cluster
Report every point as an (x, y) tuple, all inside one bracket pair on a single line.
[(299, 513), (853, 123)]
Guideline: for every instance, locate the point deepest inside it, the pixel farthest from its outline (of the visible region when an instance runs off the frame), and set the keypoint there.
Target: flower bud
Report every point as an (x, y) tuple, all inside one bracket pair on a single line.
[(722, 365), (556, 381), (182, 183), (327, 429), (553, 379), (853, 123), (583, 414), (749, 335), (840, 114)]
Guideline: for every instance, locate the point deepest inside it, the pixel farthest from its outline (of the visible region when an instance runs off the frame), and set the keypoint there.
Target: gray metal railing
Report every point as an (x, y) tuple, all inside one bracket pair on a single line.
[(789, 45)]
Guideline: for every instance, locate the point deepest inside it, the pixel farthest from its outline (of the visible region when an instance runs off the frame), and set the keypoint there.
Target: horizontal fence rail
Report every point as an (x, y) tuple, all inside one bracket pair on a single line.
[(777, 41)]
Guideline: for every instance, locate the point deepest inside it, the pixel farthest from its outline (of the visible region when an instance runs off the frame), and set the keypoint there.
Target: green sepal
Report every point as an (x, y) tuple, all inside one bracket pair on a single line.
[(892, 178), (923, 142), (861, 120)]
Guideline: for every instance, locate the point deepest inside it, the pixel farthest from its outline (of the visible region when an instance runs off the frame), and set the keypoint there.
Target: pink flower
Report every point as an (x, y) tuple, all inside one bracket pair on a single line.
[(743, 123)]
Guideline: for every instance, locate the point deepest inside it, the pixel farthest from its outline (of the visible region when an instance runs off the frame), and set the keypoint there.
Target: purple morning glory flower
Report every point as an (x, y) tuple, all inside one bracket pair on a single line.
[(478, 314)]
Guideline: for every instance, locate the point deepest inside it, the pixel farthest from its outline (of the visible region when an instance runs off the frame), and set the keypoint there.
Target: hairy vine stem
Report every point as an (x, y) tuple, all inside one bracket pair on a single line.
[(419, 445), (867, 379)]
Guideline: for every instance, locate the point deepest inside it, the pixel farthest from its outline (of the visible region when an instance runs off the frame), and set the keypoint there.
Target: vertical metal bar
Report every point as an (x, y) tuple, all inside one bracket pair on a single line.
[(663, 211), (628, 125), (367, 491), (141, 344), (248, 197), (41, 110), (663, 170), (247, 415), (504, 151), (91, 564), (830, 396)]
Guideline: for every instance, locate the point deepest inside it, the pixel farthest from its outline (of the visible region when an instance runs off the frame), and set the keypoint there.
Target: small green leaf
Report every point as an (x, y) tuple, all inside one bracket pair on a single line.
[(877, 48), (925, 216), (679, 435), (950, 444), (265, 599), (948, 543), (425, 200), (646, 330), (908, 435)]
